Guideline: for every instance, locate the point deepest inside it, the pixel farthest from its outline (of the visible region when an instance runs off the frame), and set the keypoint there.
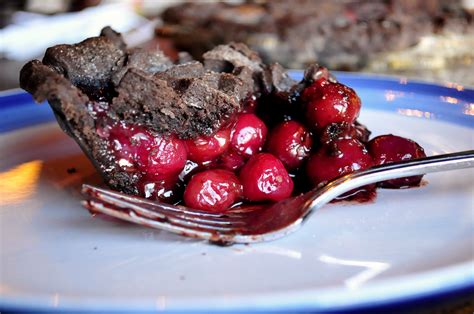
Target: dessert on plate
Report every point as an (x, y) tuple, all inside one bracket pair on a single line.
[(212, 135), (416, 38)]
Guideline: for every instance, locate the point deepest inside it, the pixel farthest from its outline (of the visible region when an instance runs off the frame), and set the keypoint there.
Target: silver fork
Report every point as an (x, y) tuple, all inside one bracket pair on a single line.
[(268, 223)]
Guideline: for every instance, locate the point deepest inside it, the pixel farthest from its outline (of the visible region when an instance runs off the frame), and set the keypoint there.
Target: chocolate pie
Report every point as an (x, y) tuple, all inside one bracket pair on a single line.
[(211, 134)]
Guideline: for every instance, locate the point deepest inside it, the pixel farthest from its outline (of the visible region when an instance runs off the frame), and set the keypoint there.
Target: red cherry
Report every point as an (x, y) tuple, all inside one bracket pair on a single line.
[(248, 134), (291, 142), (137, 149), (167, 157), (231, 160), (391, 148), (314, 90), (130, 144), (264, 177), (330, 103), (206, 148), (336, 159), (212, 190), (337, 131)]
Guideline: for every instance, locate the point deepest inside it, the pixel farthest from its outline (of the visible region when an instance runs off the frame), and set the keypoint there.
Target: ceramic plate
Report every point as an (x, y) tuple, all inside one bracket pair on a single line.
[(407, 244)]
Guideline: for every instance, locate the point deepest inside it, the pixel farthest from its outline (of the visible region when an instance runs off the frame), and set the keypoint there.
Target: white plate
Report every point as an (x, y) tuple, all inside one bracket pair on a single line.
[(407, 244)]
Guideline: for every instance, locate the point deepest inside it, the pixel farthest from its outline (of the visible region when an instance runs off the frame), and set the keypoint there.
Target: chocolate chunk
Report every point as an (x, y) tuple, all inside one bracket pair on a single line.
[(150, 62), (275, 79), (88, 64), (147, 100), (186, 106), (114, 36), (192, 69), (184, 57), (250, 80), (225, 58)]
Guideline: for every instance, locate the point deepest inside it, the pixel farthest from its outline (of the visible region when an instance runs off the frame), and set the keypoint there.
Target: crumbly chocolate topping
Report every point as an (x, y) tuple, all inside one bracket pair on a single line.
[(150, 62), (224, 58), (144, 86), (89, 64)]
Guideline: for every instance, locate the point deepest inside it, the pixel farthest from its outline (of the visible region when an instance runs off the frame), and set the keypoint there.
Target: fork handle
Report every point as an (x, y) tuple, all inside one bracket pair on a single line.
[(408, 168)]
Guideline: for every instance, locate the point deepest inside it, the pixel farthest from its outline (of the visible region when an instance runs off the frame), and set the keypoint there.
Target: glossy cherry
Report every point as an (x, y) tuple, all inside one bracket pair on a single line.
[(314, 90), (330, 103), (248, 134), (131, 145), (138, 150), (391, 148), (336, 159), (207, 148), (264, 178), (338, 131), (291, 142), (231, 160), (167, 157), (212, 190)]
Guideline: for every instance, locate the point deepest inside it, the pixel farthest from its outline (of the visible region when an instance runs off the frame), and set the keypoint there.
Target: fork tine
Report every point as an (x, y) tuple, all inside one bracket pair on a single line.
[(154, 215), (159, 211), (133, 217), (216, 237), (96, 192), (173, 217)]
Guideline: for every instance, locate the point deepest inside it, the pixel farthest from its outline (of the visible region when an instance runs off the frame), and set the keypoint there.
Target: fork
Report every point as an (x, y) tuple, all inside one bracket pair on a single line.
[(270, 222)]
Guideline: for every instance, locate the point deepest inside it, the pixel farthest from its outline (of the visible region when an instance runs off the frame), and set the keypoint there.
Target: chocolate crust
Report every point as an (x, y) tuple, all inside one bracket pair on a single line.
[(70, 107)]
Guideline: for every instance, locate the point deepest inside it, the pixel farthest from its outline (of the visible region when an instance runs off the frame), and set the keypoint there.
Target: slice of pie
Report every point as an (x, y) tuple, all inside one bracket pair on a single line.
[(213, 134)]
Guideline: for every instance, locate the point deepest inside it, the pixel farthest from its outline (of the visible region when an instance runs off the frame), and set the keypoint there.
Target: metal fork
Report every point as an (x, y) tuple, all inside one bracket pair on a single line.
[(268, 223)]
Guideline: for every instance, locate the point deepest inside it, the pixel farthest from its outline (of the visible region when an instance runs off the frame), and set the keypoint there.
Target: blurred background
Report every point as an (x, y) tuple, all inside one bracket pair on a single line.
[(431, 40)]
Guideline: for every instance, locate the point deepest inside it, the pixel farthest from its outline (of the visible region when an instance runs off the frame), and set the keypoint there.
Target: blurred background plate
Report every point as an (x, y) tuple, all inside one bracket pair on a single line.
[(406, 246)]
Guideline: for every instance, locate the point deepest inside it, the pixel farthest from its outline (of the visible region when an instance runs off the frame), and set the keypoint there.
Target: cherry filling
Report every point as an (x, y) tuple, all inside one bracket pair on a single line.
[(213, 190), (264, 178), (248, 134), (337, 159), (291, 142), (328, 103), (167, 157), (131, 145), (231, 160), (244, 162), (157, 159), (391, 148), (208, 148)]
